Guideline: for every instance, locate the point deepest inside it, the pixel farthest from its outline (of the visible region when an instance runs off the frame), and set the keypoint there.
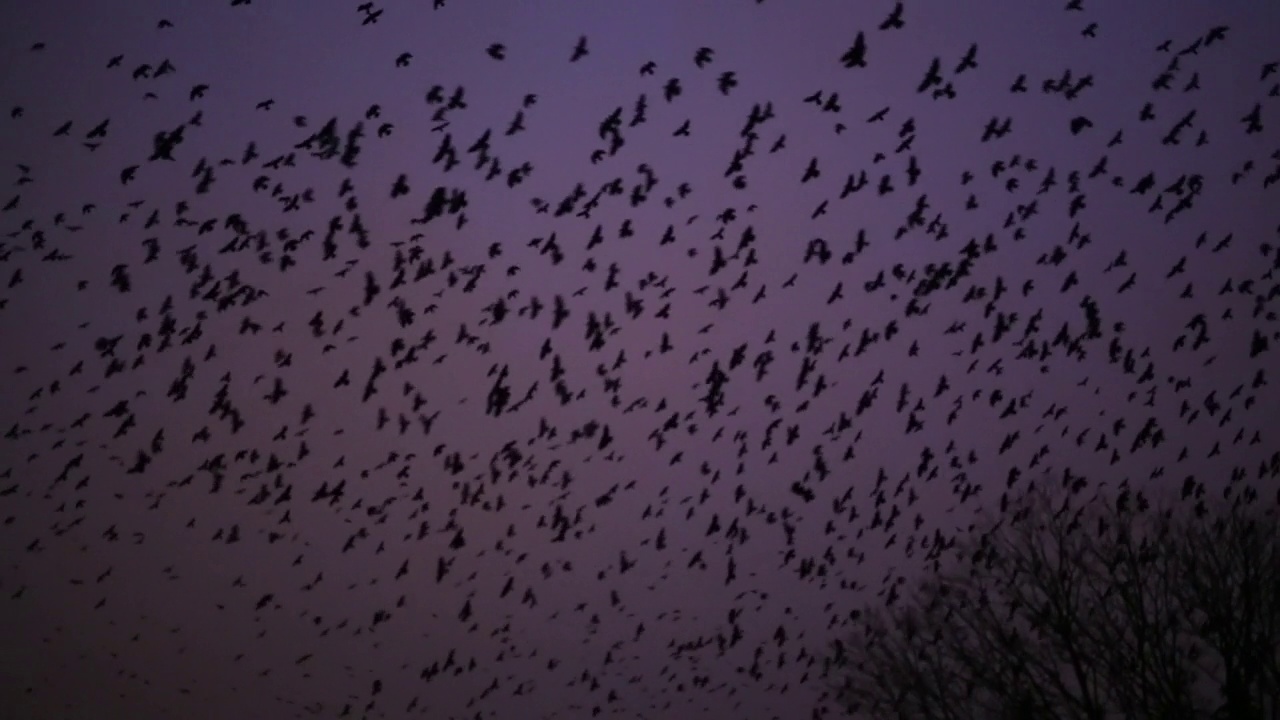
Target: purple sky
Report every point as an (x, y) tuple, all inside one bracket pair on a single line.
[(161, 553)]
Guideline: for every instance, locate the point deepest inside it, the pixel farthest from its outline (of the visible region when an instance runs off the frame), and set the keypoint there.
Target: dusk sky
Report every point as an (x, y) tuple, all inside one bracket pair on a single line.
[(510, 359)]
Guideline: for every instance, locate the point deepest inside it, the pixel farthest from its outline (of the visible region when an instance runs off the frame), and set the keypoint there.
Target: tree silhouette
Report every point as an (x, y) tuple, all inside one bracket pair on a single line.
[(1057, 609)]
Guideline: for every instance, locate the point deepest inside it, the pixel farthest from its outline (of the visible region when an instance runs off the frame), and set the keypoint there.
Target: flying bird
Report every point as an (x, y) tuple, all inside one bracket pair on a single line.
[(856, 56), (579, 49)]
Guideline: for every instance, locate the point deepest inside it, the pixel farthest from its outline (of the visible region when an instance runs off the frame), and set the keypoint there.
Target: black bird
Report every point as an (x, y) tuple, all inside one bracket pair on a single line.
[(894, 20), (580, 50), (1253, 120), (672, 89), (931, 76), (99, 130), (969, 61), (811, 172), (726, 82), (856, 55)]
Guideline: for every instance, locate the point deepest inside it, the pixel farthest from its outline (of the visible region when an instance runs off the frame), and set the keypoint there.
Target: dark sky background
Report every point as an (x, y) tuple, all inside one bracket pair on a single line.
[(767, 402)]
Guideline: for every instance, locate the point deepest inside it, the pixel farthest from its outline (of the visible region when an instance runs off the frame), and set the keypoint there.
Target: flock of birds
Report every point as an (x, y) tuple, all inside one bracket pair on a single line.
[(614, 394)]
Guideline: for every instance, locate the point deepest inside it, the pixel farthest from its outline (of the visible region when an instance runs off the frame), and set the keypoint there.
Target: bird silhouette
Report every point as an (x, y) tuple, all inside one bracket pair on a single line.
[(579, 49), (894, 20), (856, 55)]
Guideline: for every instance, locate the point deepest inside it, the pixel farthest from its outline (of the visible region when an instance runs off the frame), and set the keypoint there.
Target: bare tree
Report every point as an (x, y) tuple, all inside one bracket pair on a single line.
[(1107, 609)]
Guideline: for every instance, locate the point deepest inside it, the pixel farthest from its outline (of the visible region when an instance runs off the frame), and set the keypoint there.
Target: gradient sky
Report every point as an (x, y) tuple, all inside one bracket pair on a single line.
[(656, 531)]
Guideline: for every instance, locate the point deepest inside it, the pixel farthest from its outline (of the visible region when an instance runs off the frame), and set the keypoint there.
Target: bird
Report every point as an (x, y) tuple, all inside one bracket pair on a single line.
[(1253, 120), (856, 55), (931, 76), (99, 130), (894, 20), (579, 49), (969, 61)]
